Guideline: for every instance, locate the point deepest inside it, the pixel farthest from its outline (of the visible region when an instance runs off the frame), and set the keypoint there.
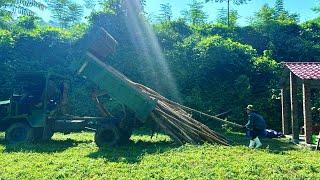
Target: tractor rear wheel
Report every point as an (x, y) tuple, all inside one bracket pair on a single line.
[(19, 133), (107, 135), (125, 136)]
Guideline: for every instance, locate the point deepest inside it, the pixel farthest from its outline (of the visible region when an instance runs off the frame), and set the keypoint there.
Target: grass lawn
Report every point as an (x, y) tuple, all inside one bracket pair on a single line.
[(75, 156)]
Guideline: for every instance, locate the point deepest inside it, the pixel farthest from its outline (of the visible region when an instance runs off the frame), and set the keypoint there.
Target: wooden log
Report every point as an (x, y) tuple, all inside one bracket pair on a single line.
[(294, 113), (178, 123), (190, 129), (285, 99), (180, 128), (307, 112), (203, 127), (200, 129), (166, 129), (204, 137)]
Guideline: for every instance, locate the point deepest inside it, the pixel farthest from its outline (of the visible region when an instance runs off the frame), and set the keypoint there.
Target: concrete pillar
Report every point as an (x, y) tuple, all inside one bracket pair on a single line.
[(285, 107), (307, 111), (294, 107)]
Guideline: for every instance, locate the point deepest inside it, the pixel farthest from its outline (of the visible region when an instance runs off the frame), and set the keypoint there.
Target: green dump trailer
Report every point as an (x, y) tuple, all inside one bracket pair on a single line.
[(117, 86), (40, 120)]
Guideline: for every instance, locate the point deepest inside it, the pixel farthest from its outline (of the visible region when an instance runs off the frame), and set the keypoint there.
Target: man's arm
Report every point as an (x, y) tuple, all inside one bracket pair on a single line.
[(249, 125)]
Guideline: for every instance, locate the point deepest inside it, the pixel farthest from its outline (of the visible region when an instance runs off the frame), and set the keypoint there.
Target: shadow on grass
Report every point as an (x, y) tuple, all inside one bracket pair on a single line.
[(133, 151), (51, 146), (276, 145), (237, 137)]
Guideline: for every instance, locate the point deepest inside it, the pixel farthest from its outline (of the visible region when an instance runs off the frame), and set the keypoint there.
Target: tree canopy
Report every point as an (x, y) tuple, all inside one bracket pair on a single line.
[(195, 14), (65, 12), (215, 67)]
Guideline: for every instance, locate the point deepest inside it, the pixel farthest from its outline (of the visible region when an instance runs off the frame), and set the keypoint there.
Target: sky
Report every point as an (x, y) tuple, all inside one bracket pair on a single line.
[(302, 7)]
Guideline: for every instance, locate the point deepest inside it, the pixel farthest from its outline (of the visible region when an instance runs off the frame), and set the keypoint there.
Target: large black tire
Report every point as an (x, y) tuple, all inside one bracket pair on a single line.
[(107, 135), (40, 136), (125, 135), (37, 134), (19, 133), (48, 136)]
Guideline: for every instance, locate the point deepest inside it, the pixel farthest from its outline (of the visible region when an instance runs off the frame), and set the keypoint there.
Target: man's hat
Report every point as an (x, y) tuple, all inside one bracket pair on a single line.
[(250, 107)]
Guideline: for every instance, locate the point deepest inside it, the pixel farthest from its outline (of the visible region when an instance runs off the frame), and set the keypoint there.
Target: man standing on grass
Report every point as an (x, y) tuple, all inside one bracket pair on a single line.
[(256, 127)]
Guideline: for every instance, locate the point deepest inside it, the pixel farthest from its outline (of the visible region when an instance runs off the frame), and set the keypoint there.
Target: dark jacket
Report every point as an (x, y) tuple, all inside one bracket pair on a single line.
[(255, 122)]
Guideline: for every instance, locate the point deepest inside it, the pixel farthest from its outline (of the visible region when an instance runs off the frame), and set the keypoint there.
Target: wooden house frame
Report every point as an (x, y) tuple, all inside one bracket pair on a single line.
[(306, 74)]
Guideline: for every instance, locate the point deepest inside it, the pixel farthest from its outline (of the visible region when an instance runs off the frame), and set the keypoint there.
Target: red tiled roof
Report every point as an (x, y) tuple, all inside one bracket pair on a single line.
[(305, 70)]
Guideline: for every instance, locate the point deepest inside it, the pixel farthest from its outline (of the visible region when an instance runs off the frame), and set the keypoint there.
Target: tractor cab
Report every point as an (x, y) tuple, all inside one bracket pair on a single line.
[(4, 108), (35, 97), (36, 93), (29, 93)]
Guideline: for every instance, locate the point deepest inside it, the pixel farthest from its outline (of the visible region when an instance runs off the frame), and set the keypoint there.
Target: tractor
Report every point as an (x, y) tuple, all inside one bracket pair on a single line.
[(36, 109)]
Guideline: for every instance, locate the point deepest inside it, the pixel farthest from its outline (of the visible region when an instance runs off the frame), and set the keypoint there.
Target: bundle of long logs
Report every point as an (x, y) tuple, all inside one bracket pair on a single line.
[(175, 121)]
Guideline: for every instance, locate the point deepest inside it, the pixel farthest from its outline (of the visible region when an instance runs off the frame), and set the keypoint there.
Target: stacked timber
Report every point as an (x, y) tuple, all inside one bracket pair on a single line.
[(175, 121)]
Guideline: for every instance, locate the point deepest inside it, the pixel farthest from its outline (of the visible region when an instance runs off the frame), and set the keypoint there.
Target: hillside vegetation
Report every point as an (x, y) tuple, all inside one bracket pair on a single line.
[(208, 66)]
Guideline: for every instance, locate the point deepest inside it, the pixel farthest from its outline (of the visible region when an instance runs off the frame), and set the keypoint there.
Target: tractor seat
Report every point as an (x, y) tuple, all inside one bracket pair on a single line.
[(6, 102), (16, 97)]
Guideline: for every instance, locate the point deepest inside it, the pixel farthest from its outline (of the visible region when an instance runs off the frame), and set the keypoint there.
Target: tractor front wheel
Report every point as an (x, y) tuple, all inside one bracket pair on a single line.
[(107, 135), (19, 133)]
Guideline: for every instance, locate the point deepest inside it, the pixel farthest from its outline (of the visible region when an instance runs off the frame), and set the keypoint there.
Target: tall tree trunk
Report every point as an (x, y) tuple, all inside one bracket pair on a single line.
[(228, 13)]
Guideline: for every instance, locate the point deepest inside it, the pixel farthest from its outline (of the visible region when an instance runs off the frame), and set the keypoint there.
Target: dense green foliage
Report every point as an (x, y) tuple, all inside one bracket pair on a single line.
[(75, 156), (207, 66)]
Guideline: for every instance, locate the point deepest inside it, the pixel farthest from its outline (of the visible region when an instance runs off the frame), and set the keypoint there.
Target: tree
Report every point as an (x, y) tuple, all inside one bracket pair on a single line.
[(316, 9), (91, 4), (195, 14), (237, 2), (282, 15), (276, 14), (165, 12), (17, 7), (118, 6), (65, 12), (223, 19), (263, 16), (222, 66), (279, 8), (75, 12), (20, 6)]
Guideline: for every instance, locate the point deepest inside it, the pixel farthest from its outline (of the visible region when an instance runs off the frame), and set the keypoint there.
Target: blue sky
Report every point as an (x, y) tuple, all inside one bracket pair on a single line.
[(302, 7)]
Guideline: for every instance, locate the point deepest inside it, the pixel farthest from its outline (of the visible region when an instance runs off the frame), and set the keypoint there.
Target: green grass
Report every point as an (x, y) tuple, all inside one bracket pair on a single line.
[(75, 156)]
